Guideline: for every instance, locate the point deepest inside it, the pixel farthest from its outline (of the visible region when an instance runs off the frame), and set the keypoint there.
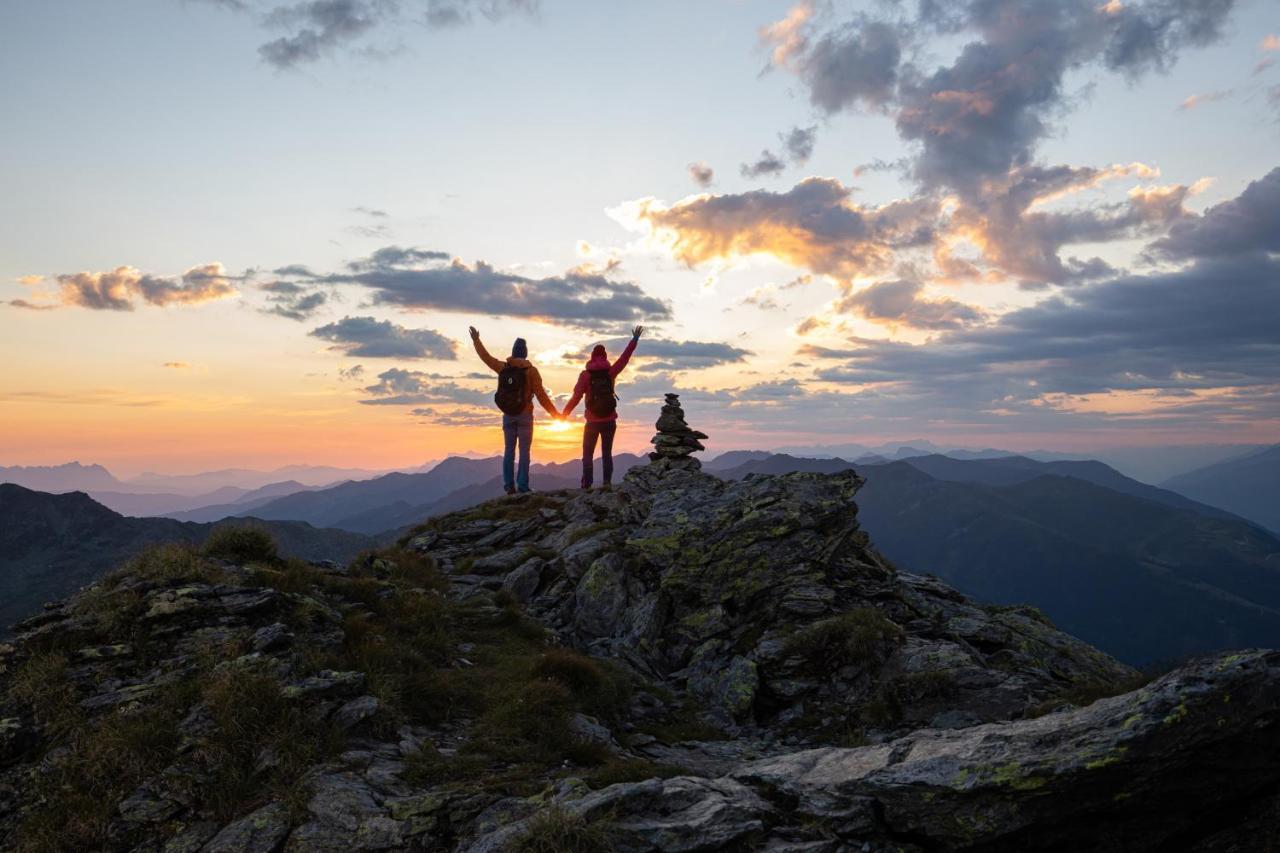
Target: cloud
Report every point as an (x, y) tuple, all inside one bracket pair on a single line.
[(1247, 223), (355, 373), (369, 232), (30, 306), (671, 355), (1201, 329), (176, 365), (764, 297), (399, 387), (419, 280), (315, 29), (366, 337), (1270, 42), (799, 142), (855, 64), (702, 174), (902, 302), (377, 229), (456, 417), (983, 114), (124, 288), (767, 164), (452, 13), (815, 225), (390, 257), (291, 300), (1193, 101)]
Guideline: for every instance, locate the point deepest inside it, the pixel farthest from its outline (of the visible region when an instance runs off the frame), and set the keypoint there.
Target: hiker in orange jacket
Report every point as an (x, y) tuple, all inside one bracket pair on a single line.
[(519, 382), (596, 384)]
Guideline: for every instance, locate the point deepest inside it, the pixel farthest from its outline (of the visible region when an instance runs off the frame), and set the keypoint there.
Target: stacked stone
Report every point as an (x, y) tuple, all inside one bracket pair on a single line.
[(676, 441)]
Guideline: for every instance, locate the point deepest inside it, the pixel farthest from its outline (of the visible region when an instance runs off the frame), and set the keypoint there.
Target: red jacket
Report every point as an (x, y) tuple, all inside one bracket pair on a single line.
[(584, 378)]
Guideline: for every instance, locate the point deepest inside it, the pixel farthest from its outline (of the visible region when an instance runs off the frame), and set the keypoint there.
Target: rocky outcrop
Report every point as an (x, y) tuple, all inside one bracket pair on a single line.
[(736, 656), (1185, 763), (762, 601)]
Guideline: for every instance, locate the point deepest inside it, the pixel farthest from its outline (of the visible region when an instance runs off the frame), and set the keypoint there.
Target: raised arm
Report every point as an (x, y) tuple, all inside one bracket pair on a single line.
[(494, 364), (626, 353)]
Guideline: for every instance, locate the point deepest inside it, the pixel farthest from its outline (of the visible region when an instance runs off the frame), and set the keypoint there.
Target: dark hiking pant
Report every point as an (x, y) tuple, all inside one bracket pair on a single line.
[(516, 430), (604, 431)]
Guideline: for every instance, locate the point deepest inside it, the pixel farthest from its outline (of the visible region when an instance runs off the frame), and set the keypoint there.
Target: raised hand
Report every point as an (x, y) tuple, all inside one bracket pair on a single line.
[(475, 334), (637, 332)]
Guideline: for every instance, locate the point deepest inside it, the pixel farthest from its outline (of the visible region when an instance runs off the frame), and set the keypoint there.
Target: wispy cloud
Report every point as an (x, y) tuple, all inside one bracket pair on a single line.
[(291, 300), (315, 29), (1193, 101)]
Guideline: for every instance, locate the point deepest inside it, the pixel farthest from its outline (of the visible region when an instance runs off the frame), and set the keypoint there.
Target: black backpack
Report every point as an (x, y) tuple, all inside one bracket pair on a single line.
[(601, 401), (510, 395)]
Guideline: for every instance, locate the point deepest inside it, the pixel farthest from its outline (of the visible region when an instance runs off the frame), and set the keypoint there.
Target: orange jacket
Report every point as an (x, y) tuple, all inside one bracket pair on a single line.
[(533, 379)]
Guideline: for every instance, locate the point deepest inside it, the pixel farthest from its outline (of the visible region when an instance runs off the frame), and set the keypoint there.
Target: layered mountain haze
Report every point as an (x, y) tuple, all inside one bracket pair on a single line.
[(51, 545), (682, 663), (1248, 485)]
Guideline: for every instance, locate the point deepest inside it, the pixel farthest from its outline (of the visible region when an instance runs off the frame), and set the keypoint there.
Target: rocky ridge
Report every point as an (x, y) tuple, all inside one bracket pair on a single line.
[(734, 657)]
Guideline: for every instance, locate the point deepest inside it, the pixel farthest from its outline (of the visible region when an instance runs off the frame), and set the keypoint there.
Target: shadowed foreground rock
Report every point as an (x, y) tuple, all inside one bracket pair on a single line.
[(1185, 763), (681, 663)]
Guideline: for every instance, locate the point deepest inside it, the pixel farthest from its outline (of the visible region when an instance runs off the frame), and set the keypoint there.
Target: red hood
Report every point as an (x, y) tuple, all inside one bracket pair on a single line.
[(598, 363)]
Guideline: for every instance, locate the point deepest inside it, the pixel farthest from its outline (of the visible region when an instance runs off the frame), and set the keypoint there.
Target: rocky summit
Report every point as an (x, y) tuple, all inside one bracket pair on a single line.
[(681, 663)]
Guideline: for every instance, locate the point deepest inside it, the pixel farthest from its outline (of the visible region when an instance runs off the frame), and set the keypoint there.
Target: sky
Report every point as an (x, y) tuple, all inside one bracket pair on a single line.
[(254, 232)]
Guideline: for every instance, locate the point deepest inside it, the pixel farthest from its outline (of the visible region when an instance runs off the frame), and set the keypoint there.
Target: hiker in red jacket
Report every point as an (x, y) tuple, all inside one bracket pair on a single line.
[(596, 384)]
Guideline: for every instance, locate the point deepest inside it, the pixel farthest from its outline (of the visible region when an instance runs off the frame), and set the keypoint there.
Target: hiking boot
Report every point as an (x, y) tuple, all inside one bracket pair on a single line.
[(511, 490)]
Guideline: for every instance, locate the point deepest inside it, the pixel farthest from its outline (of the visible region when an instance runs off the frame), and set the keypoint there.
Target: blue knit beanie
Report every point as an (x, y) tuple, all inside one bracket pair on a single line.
[(520, 349)]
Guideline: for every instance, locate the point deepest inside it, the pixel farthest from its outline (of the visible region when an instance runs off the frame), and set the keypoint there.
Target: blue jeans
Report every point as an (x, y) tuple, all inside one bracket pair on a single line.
[(516, 429), (605, 432)]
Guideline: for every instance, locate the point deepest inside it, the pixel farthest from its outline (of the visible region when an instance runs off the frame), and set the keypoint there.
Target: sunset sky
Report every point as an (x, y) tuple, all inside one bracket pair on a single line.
[(254, 232)]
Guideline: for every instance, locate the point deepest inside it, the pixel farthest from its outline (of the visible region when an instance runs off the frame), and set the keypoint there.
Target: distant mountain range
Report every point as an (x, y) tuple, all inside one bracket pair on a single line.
[(1248, 485), (1141, 572), (1149, 464), (398, 500), (1146, 573), (51, 545)]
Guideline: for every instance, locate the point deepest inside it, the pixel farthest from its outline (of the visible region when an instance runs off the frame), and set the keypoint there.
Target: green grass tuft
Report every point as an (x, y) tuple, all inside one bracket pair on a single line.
[(242, 544), (861, 637), (558, 831)]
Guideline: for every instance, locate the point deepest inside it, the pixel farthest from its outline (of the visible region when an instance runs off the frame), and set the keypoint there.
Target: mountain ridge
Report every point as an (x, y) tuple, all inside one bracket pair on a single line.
[(681, 663)]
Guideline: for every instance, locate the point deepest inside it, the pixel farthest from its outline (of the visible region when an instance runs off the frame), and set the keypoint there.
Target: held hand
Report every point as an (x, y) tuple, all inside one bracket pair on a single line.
[(637, 332), (475, 334)]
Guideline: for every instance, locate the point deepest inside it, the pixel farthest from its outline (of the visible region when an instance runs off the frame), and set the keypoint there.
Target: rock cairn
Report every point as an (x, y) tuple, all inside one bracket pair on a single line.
[(676, 442)]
